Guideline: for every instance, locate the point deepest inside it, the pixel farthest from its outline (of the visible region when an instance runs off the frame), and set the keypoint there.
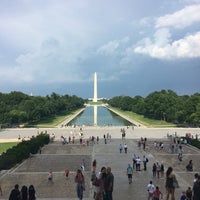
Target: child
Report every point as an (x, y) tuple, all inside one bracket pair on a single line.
[(183, 196), (67, 173), (157, 194), (50, 176), (189, 193)]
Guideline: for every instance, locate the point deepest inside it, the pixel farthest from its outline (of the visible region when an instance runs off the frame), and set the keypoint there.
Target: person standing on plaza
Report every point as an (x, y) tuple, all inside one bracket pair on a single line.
[(158, 169), (150, 190), (183, 196), (125, 148), (94, 164), (97, 139), (80, 184), (100, 189), (50, 176), (138, 161), (162, 169), (154, 170), (108, 184), (145, 160), (129, 173), (67, 173), (157, 194), (104, 137), (196, 189), (189, 193), (120, 148), (31, 193), (134, 161), (189, 166), (170, 178), (15, 193), (24, 193), (83, 165)]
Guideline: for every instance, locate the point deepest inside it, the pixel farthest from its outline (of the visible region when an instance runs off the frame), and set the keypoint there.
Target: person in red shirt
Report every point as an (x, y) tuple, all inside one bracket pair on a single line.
[(157, 194), (67, 173)]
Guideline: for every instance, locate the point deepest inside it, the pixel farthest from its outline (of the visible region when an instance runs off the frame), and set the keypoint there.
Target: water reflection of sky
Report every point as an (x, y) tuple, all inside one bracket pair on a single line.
[(101, 117)]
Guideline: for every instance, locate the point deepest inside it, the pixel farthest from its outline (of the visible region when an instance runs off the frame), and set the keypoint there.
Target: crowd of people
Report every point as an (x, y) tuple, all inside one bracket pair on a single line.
[(26, 193), (103, 180), (103, 183)]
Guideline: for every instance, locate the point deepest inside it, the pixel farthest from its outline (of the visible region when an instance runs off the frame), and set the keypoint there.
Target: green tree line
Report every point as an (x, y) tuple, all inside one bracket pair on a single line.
[(22, 151), (163, 105), (17, 107)]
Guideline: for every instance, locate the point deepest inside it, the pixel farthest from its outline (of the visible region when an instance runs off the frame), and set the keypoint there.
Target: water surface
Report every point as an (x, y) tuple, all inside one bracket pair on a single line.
[(99, 116)]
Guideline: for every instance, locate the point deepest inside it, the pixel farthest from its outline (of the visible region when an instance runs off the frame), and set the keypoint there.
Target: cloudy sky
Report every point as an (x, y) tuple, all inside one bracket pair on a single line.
[(135, 46)]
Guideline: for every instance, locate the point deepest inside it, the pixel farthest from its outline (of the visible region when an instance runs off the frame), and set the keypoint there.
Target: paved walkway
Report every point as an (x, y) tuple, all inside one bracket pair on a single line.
[(59, 157)]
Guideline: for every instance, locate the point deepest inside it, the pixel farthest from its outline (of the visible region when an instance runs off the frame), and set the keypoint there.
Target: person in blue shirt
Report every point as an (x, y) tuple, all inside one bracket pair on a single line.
[(129, 173)]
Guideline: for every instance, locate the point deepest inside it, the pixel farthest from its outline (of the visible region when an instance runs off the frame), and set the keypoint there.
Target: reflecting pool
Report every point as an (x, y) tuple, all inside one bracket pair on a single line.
[(99, 116)]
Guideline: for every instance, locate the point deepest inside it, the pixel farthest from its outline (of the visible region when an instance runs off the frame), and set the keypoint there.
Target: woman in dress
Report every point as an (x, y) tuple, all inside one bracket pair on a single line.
[(170, 178)]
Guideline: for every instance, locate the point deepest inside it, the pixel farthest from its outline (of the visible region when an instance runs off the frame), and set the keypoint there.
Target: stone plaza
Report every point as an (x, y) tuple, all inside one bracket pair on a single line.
[(58, 157)]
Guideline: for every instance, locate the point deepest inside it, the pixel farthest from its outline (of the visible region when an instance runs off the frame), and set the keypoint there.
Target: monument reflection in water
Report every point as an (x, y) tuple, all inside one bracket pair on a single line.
[(99, 116)]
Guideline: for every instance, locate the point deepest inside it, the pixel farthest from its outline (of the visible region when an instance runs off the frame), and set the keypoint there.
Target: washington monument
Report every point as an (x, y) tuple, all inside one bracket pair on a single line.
[(95, 87)]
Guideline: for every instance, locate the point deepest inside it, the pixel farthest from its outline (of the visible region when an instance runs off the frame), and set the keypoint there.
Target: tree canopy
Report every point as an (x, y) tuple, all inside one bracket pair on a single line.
[(17, 107), (163, 105)]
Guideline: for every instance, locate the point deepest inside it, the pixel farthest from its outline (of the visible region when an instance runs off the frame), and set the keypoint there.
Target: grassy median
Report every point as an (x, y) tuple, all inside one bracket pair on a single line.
[(6, 145)]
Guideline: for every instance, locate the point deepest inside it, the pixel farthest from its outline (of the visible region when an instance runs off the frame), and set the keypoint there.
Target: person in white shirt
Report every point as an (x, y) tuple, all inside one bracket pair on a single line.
[(150, 189), (125, 148), (138, 161)]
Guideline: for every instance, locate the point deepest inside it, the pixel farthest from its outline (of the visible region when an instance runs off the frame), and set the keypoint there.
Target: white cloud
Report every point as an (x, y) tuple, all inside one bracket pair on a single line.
[(180, 19), (145, 22), (187, 47), (111, 47), (108, 48)]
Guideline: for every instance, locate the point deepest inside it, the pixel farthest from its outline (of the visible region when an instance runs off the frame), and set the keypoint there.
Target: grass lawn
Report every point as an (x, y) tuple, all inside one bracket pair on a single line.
[(7, 145), (145, 121), (54, 120)]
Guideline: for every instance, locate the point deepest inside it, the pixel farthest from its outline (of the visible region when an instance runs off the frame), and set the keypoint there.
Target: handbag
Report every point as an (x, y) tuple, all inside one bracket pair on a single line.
[(175, 183)]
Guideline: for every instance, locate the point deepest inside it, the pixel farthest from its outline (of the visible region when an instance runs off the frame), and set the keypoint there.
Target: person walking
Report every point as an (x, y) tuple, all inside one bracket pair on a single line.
[(150, 190), (108, 184), (129, 173), (80, 184), (170, 178)]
